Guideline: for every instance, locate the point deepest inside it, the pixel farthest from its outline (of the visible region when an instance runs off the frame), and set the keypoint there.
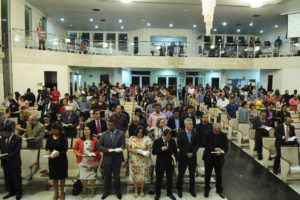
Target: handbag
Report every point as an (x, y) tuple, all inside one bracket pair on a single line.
[(77, 187)]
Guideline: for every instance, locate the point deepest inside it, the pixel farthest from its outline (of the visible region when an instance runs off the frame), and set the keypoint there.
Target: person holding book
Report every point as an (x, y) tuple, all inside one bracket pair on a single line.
[(216, 146), (112, 143), (34, 134), (56, 148), (70, 121), (10, 145), (88, 158), (139, 147)]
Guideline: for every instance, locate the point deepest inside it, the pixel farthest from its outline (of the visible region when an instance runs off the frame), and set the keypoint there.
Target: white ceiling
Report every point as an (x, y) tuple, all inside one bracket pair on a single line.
[(160, 13)]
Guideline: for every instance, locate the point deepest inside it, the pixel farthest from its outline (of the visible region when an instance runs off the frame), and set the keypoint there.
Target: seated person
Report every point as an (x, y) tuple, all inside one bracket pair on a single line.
[(23, 120), (114, 100), (47, 123)]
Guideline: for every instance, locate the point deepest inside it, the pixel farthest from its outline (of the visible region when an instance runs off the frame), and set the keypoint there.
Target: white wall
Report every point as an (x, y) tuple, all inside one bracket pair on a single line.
[(90, 75), (273, 35), (27, 75)]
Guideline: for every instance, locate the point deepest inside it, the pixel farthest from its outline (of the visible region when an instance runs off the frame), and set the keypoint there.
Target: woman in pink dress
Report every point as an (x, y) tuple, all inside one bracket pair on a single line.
[(294, 103)]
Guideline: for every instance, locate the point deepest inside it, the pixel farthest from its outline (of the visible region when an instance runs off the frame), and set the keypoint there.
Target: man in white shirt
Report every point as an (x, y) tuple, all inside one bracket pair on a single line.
[(191, 90), (222, 103)]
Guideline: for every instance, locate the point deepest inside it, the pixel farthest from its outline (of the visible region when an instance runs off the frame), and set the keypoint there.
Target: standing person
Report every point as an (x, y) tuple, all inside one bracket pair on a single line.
[(277, 45), (283, 132), (4, 121), (42, 37), (11, 144), (29, 96), (97, 125), (120, 119), (165, 150), (112, 139), (70, 121), (156, 115), (214, 141), (56, 95), (231, 109), (203, 128), (244, 114), (58, 163), (188, 144), (260, 124), (139, 163), (88, 158)]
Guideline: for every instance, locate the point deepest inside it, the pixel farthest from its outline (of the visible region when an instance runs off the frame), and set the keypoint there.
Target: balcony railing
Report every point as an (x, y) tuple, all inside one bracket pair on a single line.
[(25, 39)]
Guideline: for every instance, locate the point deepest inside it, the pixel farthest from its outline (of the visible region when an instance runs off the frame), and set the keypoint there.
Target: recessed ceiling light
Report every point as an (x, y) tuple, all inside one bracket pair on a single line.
[(238, 30), (91, 19), (261, 31), (120, 21), (194, 26), (224, 23), (148, 24), (251, 24), (126, 1), (96, 26), (62, 19), (215, 30), (276, 26), (256, 3), (122, 27), (171, 25)]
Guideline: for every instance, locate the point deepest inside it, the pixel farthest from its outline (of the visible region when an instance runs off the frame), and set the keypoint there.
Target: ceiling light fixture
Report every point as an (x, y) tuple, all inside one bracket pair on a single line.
[(215, 30), (256, 3), (224, 23), (126, 1), (276, 26), (261, 31), (171, 25), (96, 26), (62, 19), (208, 9), (251, 24), (238, 30), (194, 26), (91, 19), (120, 21), (122, 27), (148, 24)]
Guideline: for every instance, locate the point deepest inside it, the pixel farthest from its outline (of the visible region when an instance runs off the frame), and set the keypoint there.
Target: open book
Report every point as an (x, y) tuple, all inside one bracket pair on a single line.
[(292, 139), (67, 125), (3, 155), (144, 153), (52, 155), (116, 150), (29, 138), (268, 128), (218, 152), (92, 154)]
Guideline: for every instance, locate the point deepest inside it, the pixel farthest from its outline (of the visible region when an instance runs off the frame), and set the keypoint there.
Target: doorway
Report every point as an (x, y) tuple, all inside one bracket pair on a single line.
[(50, 79), (215, 82), (104, 77), (270, 82)]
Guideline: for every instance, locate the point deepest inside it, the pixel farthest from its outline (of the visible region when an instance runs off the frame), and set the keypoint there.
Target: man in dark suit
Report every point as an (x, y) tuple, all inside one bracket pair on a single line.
[(164, 148), (49, 108), (203, 128), (110, 140), (11, 144), (188, 144), (97, 125), (283, 132), (174, 123), (260, 124), (214, 141), (4, 121), (70, 122), (271, 114), (189, 114)]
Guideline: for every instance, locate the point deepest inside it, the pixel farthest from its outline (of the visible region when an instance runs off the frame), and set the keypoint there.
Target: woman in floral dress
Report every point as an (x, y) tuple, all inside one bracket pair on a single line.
[(139, 147), (88, 158)]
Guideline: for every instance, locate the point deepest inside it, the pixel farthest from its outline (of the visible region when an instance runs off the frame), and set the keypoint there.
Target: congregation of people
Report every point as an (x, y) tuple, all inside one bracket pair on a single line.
[(161, 124)]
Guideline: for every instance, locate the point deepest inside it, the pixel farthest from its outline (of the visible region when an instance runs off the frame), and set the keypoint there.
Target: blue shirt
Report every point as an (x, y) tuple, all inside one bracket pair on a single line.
[(256, 95), (201, 97), (116, 101), (189, 135), (231, 109), (176, 123)]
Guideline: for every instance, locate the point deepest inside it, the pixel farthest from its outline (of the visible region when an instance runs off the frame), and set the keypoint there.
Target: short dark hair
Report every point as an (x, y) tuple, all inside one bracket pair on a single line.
[(96, 110), (198, 113), (166, 132), (244, 103), (157, 104), (56, 125), (137, 130), (47, 115), (7, 128), (263, 111), (190, 107), (112, 121)]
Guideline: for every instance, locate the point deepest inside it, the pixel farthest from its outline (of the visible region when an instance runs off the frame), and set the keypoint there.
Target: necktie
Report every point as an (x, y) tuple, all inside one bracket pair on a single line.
[(263, 122), (98, 127), (189, 136), (6, 145), (113, 136), (287, 131)]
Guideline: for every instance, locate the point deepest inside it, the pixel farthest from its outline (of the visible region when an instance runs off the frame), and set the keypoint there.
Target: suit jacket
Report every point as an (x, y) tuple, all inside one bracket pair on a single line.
[(257, 124), (212, 141), (280, 133), (202, 129), (70, 131), (93, 127), (53, 107), (7, 122), (273, 115), (164, 159), (172, 124), (185, 146), (13, 160), (105, 143), (281, 115), (38, 133)]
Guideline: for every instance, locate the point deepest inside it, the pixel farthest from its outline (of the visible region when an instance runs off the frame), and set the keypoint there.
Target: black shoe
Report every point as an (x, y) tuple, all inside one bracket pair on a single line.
[(18, 197), (179, 193), (193, 193), (171, 197), (156, 197), (206, 193), (104, 196), (9, 195), (119, 196), (221, 195), (260, 157)]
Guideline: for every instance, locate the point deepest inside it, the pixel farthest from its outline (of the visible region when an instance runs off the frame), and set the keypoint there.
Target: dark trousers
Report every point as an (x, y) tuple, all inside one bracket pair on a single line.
[(42, 44), (159, 178), (114, 168), (182, 165), (258, 140), (13, 179), (216, 163)]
